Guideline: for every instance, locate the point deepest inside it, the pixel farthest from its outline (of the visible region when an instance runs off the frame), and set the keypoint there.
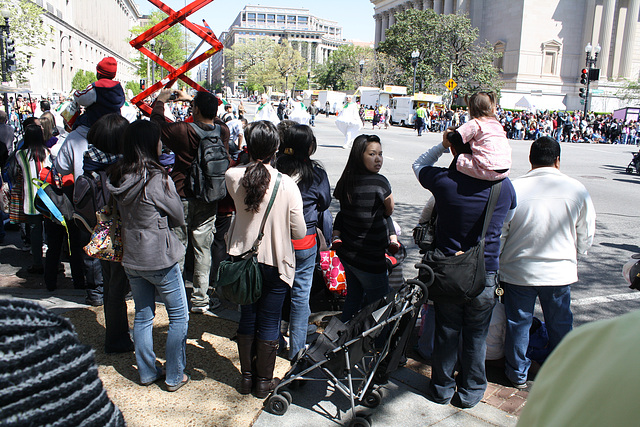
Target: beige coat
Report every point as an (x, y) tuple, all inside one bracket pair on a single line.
[(285, 222)]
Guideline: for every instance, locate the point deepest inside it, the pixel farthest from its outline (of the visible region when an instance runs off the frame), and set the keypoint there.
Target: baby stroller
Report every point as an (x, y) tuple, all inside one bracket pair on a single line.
[(355, 356), (634, 165)]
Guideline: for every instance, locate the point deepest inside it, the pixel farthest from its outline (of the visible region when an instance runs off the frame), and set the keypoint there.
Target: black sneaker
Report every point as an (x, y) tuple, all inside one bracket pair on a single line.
[(96, 302)]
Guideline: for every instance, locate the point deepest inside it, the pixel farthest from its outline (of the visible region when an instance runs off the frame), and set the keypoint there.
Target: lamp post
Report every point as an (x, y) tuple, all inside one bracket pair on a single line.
[(61, 59), (162, 68), (153, 66), (415, 57), (361, 70), (4, 28), (591, 64), (309, 79)]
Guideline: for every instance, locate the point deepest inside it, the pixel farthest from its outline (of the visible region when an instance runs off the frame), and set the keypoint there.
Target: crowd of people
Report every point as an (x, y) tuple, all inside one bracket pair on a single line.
[(273, 184)]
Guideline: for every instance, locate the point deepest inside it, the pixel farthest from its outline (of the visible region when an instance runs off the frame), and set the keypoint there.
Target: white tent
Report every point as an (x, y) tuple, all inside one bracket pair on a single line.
[(525, 103)]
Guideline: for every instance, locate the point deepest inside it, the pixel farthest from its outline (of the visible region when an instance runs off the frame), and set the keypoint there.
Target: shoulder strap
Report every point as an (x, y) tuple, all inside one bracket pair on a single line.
[(205, 133), (266, 214), (491, 205)]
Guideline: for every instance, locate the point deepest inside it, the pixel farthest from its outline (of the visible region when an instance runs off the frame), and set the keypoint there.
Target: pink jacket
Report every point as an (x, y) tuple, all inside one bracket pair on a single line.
[(490, 148)]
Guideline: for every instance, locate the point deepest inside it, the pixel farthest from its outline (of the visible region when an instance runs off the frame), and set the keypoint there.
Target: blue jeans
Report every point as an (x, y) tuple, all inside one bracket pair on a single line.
[(300, 291), (262, 318), (519, 303), (363, 288), (168, 282), (471, 322)]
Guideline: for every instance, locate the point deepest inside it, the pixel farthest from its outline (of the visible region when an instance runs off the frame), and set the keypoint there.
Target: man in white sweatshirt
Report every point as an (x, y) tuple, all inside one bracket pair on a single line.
[(554, 222)]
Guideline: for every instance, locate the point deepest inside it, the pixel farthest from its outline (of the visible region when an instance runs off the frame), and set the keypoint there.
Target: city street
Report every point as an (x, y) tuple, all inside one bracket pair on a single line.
[(601, 292)]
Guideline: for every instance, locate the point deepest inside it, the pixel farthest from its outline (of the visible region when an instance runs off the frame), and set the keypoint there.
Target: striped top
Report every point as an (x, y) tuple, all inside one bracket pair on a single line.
[(30, 169), (362, 225)]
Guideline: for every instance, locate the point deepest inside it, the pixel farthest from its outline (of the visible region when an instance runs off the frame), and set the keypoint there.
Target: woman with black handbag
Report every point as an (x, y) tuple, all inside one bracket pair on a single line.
[(258, 190)]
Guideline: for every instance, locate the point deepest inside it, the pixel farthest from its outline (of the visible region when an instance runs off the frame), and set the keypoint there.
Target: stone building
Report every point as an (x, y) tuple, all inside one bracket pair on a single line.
[(314, 37), (543, 44), (82, 32)]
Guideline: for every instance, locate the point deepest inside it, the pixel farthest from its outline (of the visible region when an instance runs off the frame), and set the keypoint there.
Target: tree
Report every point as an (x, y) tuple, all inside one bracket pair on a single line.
[(287, 64), (630, 92), (82, 79), (28, 31), (342, 70), (171, 44), (445, 42), (387, 71), (134, 86)]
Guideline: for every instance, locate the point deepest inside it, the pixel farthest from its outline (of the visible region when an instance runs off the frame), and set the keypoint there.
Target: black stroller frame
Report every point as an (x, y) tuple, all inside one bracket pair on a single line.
[(357, 356)]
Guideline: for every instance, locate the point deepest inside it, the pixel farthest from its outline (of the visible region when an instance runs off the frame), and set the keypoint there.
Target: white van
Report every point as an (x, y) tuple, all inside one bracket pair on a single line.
[(402, 109)]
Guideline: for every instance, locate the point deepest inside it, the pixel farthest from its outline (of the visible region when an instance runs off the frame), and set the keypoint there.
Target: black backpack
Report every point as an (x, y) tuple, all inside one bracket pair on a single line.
[(89, 195), (205, 177)]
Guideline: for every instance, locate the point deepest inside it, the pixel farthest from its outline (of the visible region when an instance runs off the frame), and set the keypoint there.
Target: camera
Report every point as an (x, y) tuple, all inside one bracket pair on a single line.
[(173, 96)]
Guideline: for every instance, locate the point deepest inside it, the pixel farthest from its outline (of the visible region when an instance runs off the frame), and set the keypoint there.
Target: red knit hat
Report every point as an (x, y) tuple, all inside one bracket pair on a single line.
[(107, 67)]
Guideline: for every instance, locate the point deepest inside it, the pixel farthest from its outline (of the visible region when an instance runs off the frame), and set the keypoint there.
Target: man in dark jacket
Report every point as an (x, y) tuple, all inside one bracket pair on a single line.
[(460, 203), (182, 139)]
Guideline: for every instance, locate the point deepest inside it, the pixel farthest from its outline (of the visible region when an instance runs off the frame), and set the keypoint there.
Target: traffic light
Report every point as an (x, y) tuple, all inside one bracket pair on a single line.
[(583, 92), (143, 84), (10, 57), (584, 77)]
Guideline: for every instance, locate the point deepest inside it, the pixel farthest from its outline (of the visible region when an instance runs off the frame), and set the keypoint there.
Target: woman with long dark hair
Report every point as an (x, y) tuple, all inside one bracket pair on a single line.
[(149, 206), (251, 187), (293, 159), (33, 156), (364, 224)]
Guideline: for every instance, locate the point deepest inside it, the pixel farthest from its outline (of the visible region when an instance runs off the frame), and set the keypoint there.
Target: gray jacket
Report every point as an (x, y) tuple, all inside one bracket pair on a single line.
[(149, 206)]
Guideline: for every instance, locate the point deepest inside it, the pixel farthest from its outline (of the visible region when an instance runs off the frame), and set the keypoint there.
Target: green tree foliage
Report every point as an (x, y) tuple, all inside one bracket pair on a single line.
[(134, 86), (264, 62), (342, 70), (28, 31), (443, 41), (630, 92), (171, 44), (82, 79)]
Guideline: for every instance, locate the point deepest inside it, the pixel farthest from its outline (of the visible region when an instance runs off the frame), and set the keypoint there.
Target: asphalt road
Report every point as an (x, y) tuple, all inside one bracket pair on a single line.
[(601, 291)]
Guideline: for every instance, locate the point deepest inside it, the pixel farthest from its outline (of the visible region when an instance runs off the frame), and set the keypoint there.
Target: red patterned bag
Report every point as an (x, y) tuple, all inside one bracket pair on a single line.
[(333, 272)]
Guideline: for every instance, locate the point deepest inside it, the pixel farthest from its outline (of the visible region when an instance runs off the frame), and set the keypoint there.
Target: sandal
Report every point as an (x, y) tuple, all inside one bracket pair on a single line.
[(393, 248), (180, 384), (336, 242)]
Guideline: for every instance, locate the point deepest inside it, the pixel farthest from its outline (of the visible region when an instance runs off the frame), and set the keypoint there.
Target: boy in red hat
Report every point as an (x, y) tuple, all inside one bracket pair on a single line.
[(101, 97)]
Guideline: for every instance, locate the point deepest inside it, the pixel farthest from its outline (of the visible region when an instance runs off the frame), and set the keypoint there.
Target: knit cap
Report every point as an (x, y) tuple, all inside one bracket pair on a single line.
[(107, 67), (47, 377)]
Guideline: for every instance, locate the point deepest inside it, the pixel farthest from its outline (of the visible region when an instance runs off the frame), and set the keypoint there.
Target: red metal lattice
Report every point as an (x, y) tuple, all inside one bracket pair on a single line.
[(179, 17)]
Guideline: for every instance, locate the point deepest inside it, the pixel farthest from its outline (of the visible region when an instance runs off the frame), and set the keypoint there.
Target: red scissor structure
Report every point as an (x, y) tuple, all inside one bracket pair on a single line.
[(180, 17)]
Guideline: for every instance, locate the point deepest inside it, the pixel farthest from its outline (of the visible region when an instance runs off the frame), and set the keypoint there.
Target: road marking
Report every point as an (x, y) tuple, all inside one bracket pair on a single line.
[(607, 298)]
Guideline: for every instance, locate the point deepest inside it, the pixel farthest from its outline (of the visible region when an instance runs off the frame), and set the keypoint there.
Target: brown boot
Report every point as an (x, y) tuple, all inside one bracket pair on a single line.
[(265, 363), (246, 352)]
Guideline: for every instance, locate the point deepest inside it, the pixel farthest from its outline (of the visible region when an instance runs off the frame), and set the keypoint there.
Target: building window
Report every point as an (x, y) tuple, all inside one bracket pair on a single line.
[(261, 17), (271, 18), (499, 48), (291, 19), (281, 19), (549, 64), (303, 20), (550, 54), (251, 16)]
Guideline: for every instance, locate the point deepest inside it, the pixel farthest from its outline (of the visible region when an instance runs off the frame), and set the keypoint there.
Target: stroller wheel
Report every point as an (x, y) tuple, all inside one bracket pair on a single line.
[(278, 404), (360, 421), (287, 396), (373, 399)]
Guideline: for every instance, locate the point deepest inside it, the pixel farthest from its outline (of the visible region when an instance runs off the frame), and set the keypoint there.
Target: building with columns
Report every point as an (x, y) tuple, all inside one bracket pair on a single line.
[(315, 38), (82, 32), (543, 45)]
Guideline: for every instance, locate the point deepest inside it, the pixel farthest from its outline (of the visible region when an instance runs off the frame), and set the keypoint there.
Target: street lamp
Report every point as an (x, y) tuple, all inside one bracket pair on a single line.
[(162, 68), (415, 57), (153, 67), (361, 70), (6, 13), (590, 64), (61, 51)]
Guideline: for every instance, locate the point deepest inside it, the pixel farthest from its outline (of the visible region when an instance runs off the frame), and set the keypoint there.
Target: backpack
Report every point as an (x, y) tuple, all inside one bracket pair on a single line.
[(89, 196), (205, 177)]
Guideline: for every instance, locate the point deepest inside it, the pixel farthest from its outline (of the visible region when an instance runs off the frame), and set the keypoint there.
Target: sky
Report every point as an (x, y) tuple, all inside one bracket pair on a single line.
[(355, 16)]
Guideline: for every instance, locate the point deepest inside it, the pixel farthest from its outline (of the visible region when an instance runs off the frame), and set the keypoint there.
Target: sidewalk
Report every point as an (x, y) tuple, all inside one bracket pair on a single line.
[(211, 400)]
